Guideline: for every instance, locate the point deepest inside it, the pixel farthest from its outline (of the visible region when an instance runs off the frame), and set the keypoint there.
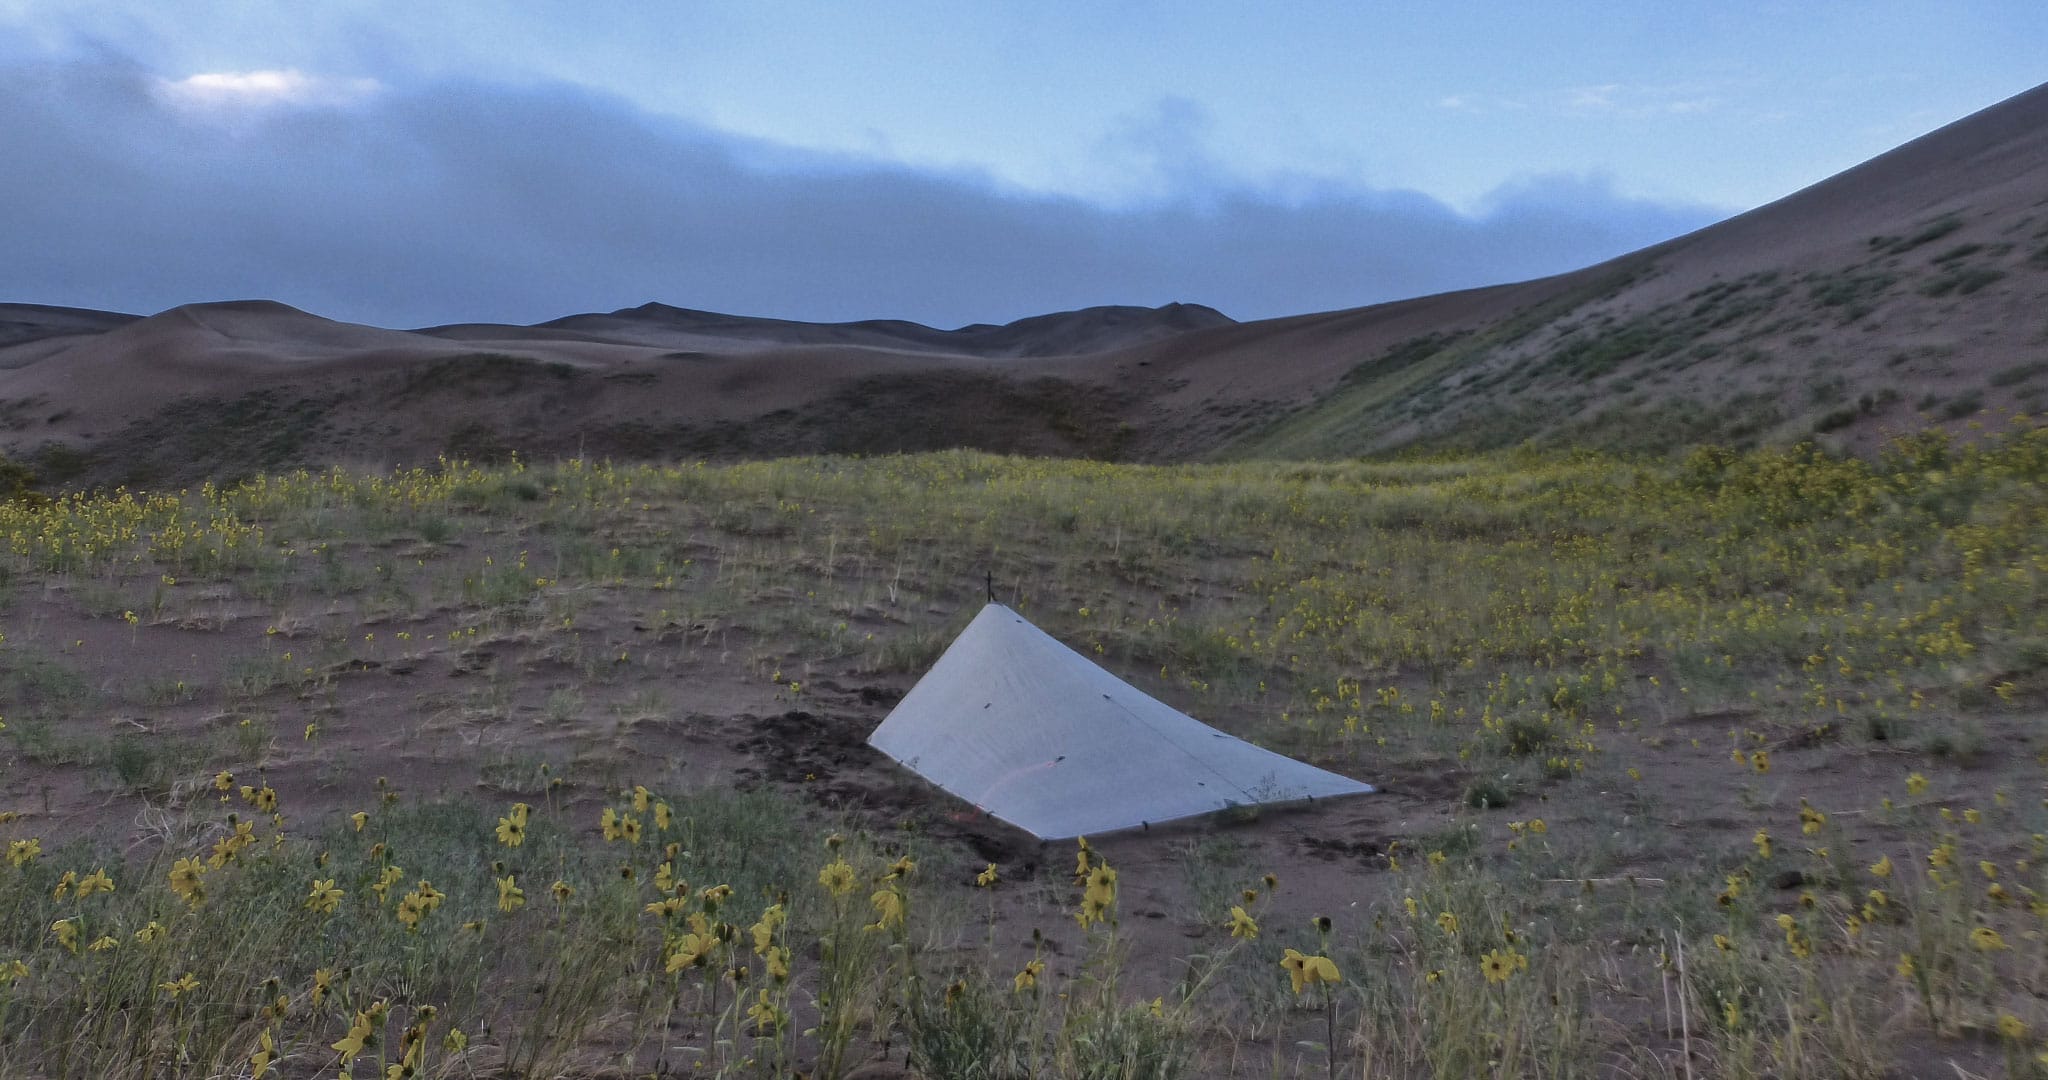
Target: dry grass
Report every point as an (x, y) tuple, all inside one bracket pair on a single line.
[(1647, 730)]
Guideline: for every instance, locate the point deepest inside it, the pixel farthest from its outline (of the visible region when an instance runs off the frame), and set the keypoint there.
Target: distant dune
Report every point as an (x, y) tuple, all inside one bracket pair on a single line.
[(1907, 292)]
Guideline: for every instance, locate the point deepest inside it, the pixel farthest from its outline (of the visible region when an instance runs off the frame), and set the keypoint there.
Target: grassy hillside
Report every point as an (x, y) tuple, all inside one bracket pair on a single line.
[(1926, 330), (1666, 747)]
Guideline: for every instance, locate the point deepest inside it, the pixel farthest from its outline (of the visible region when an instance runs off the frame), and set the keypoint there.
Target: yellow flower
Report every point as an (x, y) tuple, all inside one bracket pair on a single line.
[(1722, 943), (2012, 1027), (64, 885), (66, 931), (629, 829), (382, 886), (266, 1052), (1027, 979), (901, 868), (987, 877), (838, 878), (510, 896), (1500, 966), (322, 979), (888, 909), (1988, 868), (1537, 826), (105, 942), (608, 823), (1882, 867), (764, 930), (512, 827), (641, 798), (662, 816), (1731, 1014), (184, 879), (1242, 925), (777, 960), (1915, 784), (1099, 896), (690, 950), (95, 882), (359, 819), (1762, 840), (1447, 922), (1973, 816), (358, 1036), (223, 781), (1305, 971), (411, 909), (324, 898), (12, 970), (563, 891), (150, 931), (1760, 761), (765, 1014), (430, 897), (23, 852), (183, 984), (1986, 939)]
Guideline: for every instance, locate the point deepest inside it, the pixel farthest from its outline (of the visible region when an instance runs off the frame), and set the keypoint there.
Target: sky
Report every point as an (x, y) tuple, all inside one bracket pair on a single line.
[(406, 164)]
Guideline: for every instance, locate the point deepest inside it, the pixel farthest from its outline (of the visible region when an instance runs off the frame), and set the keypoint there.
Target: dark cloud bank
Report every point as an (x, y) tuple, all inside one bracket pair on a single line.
[(457, 202)]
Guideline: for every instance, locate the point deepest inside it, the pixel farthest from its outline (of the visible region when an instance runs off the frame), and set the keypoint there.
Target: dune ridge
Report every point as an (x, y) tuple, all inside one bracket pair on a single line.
[(1903, 293)]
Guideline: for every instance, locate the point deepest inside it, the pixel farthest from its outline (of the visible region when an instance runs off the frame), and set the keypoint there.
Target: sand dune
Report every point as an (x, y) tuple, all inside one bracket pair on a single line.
[(1904, 292), (24, 323), (1089, 330)]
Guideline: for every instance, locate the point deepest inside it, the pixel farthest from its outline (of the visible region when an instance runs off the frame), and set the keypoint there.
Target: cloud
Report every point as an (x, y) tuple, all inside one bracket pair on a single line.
[(277, 87), (1481, 103), (1638, 101), (410, 204)]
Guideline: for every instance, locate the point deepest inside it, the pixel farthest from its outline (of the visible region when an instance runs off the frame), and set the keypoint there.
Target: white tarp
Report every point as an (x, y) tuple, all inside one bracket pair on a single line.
[(1036, 734)]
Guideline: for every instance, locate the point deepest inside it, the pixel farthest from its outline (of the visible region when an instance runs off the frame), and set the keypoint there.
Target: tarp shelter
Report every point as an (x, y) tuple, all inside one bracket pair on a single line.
[(1036, 734)]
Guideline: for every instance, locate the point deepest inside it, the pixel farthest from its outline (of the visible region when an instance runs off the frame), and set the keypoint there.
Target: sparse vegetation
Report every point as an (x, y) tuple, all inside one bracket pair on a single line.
[(1926, 234), (2019, 373), (1803, 661), (1962, 280)]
